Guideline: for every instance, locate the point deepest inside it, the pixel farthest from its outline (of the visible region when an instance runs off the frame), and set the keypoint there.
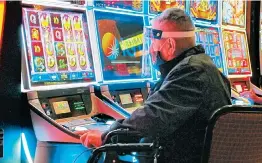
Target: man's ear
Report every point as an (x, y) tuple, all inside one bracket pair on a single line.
[(172, 47)]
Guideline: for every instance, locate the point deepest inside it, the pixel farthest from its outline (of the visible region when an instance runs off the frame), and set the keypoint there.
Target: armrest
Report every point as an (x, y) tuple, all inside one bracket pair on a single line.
[(138, 147), (121, 132)]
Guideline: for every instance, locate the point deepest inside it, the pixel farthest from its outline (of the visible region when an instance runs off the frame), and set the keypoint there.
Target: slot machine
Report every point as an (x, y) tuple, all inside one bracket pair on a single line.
[(235, 45), (210, 32), (126, 71), (59, 72)]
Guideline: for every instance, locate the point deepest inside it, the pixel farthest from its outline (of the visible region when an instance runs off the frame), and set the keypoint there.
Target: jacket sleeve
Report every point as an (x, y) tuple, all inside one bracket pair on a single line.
[(179, 97)]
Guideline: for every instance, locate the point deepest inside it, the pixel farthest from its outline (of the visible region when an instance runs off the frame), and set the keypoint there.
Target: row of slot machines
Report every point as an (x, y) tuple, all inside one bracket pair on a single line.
[(83, 64)]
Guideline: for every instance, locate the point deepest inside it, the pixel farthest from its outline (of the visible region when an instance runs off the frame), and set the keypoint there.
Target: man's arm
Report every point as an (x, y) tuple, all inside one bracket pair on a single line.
[(167, 109)]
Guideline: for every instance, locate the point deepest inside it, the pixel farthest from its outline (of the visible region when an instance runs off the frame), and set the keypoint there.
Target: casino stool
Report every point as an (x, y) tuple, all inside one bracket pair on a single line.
[(234, 135)]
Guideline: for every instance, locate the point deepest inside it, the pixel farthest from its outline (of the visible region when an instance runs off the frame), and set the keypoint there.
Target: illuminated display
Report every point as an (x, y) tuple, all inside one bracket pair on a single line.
[(131, 42), (68, 106), (204, 10), (61, 107), (233, 13), (209, 38), (236, 52), (125, 99), (135, 5), (157, 6), (240, 86), (79, 105), (58, 46), (121, 46)]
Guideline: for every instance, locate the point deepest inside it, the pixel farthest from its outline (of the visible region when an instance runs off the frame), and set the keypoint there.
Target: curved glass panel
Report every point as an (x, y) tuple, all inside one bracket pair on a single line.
[(121, 46)]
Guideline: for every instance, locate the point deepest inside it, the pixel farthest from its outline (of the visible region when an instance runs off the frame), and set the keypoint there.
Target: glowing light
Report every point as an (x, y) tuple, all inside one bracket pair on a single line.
[(26, 149), (131, 42), (110, 46), (2, 19)]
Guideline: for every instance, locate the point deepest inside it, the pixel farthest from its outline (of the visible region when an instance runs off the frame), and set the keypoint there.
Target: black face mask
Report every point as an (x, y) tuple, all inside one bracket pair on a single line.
[(159, 61)]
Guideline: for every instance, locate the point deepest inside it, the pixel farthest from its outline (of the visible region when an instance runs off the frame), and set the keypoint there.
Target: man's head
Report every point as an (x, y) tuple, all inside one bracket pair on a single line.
[(172, 20)]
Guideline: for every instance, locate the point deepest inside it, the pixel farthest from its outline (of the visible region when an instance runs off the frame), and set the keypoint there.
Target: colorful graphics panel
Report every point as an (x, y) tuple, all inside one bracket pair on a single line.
[(158, 6), (121, 46), (236, 52), (209, 38), (204, 10), (58, 46), (234, 13), (134, 5)]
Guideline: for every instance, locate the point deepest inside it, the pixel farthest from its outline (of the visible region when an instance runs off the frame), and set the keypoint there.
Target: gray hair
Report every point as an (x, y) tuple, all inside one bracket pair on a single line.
[(179, 17)]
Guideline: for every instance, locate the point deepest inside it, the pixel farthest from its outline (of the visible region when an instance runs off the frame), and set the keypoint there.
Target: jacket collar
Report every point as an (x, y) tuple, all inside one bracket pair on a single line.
[(166, 67)]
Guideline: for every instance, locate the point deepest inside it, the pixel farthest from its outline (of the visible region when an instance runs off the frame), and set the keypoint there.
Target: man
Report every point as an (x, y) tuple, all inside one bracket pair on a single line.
[(191, 88)]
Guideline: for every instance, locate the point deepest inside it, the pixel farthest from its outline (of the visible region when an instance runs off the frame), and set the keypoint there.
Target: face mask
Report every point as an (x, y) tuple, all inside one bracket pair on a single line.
[(159, 61)]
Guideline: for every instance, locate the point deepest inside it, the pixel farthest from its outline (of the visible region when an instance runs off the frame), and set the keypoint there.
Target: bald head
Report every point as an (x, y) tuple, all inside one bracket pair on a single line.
[(174, 19)]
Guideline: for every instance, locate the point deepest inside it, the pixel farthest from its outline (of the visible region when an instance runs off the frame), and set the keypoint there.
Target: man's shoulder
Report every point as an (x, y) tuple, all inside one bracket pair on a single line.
[(196, 61), (202, 61)]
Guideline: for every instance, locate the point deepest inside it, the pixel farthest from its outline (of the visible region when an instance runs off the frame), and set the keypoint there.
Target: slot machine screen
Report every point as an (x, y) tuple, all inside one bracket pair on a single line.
[(157, 6), (236, 52), (240, 86), (61, 107), (204, 11), (58, 47), (68, 106), (234, 13), (130, 100), (125, 99), (121, 46), (134, 5), (209, 38)]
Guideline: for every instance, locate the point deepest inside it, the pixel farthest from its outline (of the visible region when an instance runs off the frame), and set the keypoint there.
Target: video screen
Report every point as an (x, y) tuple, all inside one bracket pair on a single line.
[(157, 6), (240, 86), (234, 13), (121, 46), (135, 5), (209, 38), (236, 52), (61, 107), (58, 47), (205, 11), (68, 106), (126, 99)]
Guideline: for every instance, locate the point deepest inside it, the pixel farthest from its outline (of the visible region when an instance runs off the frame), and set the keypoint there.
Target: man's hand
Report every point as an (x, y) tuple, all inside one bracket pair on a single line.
[(90, 138)]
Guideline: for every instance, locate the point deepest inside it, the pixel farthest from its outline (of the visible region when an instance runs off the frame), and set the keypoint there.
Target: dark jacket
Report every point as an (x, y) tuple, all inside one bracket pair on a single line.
[(178, 109)]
